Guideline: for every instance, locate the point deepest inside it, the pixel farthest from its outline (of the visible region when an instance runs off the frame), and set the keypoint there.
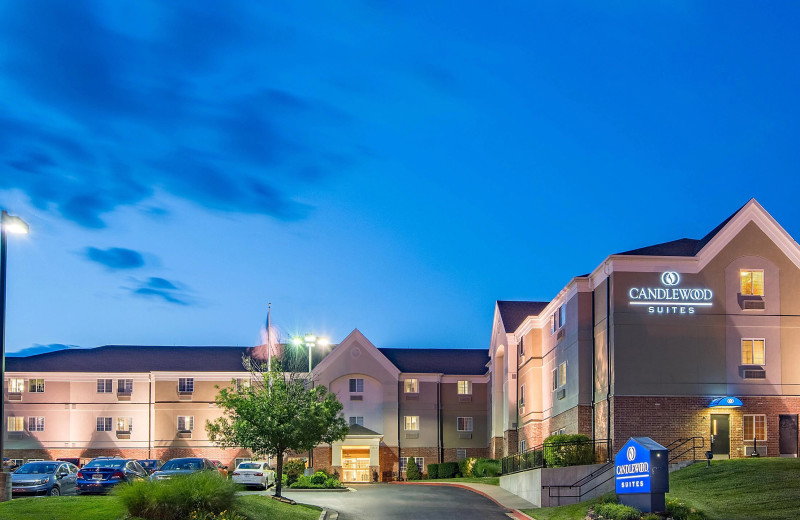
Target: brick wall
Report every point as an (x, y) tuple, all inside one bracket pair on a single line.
[(451, 454), (531, 433), (666, 419), (496, 447), (431, 455), (510, 442), (390, 462), (323, 459)]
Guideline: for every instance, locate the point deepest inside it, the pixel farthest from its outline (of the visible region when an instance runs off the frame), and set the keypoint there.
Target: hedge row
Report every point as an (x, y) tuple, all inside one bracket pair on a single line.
[(469, 467)]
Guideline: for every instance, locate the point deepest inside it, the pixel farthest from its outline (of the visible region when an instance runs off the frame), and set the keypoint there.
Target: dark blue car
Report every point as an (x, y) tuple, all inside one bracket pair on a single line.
[(50, 478), (101, 474)]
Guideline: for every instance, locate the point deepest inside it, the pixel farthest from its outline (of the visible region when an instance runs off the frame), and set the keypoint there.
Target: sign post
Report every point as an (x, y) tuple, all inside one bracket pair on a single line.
[(642, 474)]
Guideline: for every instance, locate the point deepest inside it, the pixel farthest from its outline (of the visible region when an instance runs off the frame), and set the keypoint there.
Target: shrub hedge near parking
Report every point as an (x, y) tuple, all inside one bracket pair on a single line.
[(178, 498), (448, 469), (433, 471)]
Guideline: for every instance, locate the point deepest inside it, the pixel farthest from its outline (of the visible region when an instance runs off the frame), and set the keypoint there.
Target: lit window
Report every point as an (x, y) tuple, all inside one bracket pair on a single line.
[(465, 388), (752, 282), (185, 423), (36, 385), (186, 384), (357, 419), (412, 422), (104, 424), (522, 395), (16, 385), (464, 424), (104, 386), (35, 424), (562, 374), (124, 424), (16, 424), (125, 386), (753, 352), (412, 386), (755, 425), (356, 385)]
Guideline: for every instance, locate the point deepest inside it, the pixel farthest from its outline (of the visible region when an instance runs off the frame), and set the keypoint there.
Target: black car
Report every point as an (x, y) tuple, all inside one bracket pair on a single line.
[(151, 465), (184, 466), (101, 474)]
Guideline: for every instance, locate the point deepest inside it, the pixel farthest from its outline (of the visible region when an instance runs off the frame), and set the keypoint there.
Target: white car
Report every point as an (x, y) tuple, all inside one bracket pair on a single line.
[(254, 473)]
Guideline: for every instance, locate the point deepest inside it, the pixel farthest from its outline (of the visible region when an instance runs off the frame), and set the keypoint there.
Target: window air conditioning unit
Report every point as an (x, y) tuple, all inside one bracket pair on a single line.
[(561, 334), (356, 397), (755, 374), (754, 305), (14, 396), (561, 394)]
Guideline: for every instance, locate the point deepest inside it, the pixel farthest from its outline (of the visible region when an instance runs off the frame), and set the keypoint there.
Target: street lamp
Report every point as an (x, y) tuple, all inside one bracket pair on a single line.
[(310, 341), (8, 224)]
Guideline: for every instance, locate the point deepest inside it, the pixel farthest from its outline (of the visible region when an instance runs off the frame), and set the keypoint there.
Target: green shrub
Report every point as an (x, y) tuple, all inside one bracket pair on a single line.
[(486, 468), (293, 469), (680, 511), (617, 512), (465, 466), (314, 482), (433, 471), (448, 469), (412, 470), (609, 498), (533, 459), (319, 478), (652, 516), (332, 483), (562, 450), (178, 497)]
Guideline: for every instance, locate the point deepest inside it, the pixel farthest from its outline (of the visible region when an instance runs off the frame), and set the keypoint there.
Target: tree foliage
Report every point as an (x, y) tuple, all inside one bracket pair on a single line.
[(276, 413)]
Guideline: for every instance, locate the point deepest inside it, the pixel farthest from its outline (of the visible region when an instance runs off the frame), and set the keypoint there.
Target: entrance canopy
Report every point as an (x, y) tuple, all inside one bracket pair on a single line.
[(725, 402)]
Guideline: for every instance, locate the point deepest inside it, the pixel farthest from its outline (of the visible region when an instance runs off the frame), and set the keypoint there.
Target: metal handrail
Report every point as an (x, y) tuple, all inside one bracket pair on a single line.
[(580, 483), (677, 443), (557, 454)]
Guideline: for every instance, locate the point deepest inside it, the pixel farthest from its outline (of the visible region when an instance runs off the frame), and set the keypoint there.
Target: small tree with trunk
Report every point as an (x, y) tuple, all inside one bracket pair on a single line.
[(278, 412)]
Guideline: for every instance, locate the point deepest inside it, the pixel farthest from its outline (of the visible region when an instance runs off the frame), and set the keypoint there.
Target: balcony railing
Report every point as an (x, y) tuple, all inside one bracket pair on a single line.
[(553, 455)]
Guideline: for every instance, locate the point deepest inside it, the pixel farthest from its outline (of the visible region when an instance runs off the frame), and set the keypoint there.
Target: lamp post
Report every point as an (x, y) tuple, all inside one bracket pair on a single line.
[(310, 341), (8, 224)]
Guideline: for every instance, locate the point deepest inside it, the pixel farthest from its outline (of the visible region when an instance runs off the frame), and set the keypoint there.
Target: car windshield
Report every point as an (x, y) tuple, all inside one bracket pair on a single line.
[(148, 463), (183, 464), (106, 463), (36, 467), (249, 465)]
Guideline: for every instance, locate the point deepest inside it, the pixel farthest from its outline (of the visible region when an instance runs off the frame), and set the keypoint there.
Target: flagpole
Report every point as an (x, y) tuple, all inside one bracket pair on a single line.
[(269, 339)]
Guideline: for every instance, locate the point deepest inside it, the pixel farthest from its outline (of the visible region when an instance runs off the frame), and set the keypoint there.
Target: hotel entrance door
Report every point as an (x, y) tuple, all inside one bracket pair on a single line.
[(355, 465), (720, 436)]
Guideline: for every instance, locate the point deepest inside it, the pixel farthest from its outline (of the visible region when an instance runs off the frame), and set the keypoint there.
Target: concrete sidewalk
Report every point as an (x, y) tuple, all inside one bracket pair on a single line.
[(496, 494)]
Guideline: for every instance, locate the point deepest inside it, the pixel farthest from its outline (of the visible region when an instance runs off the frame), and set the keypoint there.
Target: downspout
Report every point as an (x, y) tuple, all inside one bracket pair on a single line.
[(594, 348), (440, 430), (608, 363), (399, 418), (149, 415)]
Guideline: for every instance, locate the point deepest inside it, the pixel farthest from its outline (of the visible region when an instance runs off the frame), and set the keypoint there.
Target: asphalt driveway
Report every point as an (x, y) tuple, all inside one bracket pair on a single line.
[(391, 501)]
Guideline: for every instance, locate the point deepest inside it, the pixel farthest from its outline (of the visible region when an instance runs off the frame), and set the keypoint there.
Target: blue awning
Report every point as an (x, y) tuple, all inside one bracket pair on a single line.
[(725, 401)]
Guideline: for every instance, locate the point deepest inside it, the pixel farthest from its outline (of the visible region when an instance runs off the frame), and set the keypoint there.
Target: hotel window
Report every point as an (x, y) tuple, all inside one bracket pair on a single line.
[(124, 424), (522, 395), (16, 385), (419, 461), (562, 374), (412, 422), (185, 423), (464, 424), (412, 386), (356, 385), (555, 378), (186, 384), (16, 424), (36, 385), (35, 424), (755, 425), (752, 282), (125, 386), (461, 453), (465, 388), (523, 445), (242, 383), (104, 424), (753, 352), (357, 419), (104, 386), (522, 347)]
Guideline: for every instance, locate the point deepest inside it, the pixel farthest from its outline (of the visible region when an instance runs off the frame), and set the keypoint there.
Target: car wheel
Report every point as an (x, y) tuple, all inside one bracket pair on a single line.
[(54, 492)]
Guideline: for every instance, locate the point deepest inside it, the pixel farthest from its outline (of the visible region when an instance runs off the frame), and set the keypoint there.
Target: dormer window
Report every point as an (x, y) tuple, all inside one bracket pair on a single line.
[(752, 282), (356, 385)]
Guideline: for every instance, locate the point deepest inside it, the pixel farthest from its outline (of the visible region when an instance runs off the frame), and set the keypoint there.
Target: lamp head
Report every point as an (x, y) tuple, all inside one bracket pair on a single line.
[(12, 224)]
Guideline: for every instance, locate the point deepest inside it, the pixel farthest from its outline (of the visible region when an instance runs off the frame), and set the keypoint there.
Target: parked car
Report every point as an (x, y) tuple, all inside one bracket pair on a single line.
[(254, 473), (183, 466), (9, 464), (151, 465), (77, 461), (101, 474), (50, 478), (223, 469)]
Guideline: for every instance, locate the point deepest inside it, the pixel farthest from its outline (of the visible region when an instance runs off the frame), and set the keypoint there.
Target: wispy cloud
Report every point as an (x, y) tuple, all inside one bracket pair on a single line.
[(115, 258), (102, 106), (163, 290)]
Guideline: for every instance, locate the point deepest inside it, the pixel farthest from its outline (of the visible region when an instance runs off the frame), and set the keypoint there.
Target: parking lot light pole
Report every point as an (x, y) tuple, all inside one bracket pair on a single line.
[(8, 224)]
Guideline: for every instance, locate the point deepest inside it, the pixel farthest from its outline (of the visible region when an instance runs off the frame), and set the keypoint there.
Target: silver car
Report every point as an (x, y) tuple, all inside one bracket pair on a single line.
[(49, 478)]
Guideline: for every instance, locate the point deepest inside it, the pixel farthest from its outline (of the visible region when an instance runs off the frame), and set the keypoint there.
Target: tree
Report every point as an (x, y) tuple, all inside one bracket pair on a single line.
[(276, 413), (412, 471)]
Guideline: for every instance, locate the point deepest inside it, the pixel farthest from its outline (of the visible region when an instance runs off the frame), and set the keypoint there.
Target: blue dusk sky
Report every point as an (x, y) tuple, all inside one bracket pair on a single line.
[(389, 166)]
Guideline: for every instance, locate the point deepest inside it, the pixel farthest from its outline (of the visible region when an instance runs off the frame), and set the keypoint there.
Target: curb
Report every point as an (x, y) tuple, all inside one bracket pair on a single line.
[(516, 513), (328, 514)]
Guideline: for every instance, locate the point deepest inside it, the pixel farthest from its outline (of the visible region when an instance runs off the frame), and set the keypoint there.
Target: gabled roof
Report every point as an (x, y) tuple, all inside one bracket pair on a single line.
[(454, 361), (357, 429), (513, 313), (682, 246), (133, 358)]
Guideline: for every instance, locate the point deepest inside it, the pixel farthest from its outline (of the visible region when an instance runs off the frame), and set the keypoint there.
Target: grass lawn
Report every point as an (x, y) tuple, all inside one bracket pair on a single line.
[(492, 481), (254, 507), (738, 489)]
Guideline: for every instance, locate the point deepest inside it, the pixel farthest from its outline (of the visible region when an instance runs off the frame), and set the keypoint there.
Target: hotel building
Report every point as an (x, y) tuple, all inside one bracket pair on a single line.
[(690, 338)]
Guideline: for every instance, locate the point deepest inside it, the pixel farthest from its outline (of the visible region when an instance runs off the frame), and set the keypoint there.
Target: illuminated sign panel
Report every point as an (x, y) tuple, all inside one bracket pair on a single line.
[(641, 474), (632, 468), (670, 299)]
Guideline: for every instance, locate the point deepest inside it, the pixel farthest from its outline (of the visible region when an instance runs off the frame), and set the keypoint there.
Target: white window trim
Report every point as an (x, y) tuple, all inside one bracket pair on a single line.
[(128, 420), (414, 422), (106, 388), (16, 418), (522, 396), (468, 423), (37, 386), (105, 420), (124, 389), (754, 415), (187, 383), (763, 282), (415, 390), (189, 425), (33, 423), (468, 385), (356, 417), (17, 380), (420, 462), (356, 379), (741, 351)]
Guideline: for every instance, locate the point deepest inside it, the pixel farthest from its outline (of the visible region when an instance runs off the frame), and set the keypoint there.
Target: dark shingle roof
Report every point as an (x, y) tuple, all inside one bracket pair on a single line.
[(456, 361), (133, 358), (682, 246), (357, 429), (514, 313)]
